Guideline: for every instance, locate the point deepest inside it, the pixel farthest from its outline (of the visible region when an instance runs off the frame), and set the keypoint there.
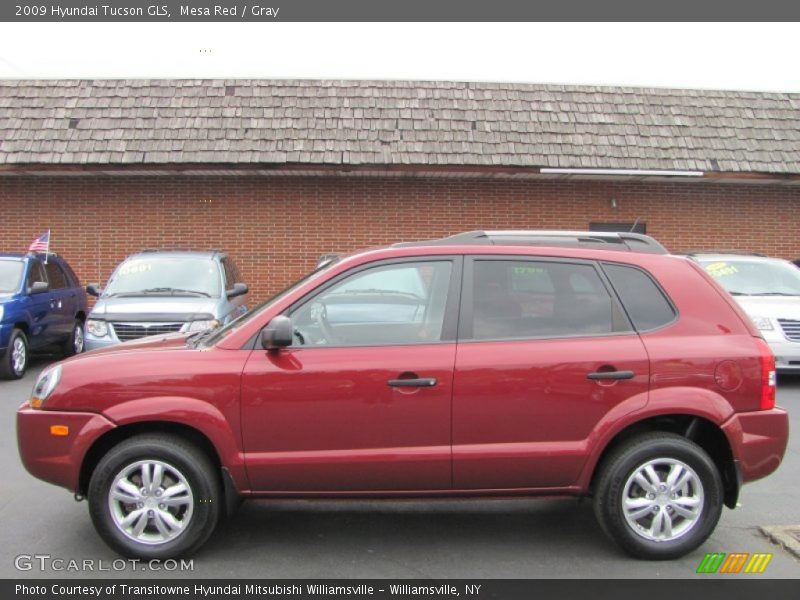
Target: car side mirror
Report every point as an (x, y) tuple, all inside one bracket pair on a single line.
[(93, 290), (277, 334), (39, 287), (239, 289)]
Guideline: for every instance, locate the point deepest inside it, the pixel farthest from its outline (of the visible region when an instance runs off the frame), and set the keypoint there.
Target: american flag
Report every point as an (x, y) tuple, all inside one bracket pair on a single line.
[(40, 244)]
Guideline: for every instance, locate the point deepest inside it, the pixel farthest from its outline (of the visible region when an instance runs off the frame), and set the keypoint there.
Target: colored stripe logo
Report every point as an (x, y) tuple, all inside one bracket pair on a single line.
[(734, 563)]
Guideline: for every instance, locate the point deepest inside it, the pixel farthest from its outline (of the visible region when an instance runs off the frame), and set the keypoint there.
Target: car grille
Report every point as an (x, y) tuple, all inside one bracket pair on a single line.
[(791, 328), (134, 331)]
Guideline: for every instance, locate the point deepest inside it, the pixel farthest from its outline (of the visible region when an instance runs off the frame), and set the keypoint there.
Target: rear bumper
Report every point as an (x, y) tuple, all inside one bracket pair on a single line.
[(758, 441), (57, 459)]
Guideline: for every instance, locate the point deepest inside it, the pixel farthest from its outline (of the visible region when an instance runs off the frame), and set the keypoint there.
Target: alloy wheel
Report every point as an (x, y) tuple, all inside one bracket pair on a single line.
[(19, 356), (662, 499), (151, 502)]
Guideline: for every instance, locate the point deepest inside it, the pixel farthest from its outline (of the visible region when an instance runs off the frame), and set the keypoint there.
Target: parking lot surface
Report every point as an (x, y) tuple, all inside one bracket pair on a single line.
[(516, 538)]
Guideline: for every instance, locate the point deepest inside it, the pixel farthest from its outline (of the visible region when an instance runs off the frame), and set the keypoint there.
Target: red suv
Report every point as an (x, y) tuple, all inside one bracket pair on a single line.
[(484, 364)]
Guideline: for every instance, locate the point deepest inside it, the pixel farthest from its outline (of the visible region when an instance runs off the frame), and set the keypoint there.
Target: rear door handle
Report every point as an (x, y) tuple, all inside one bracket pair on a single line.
[(420, 382), (610, 375)]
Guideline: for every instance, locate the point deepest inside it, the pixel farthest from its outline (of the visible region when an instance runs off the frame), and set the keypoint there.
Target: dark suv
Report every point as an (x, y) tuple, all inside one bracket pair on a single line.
[(42, 304), (484, 364)]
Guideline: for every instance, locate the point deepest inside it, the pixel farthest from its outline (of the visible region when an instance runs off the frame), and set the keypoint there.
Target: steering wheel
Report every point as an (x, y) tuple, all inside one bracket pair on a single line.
[(319, 313)]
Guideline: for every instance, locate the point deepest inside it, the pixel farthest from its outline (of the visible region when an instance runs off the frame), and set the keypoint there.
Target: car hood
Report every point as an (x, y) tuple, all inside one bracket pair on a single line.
[(170, 341), (774, 307), (142, 308)]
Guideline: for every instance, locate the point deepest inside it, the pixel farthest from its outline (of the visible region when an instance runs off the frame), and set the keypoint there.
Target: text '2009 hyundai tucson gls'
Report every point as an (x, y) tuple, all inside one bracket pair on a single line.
[(484, 364)]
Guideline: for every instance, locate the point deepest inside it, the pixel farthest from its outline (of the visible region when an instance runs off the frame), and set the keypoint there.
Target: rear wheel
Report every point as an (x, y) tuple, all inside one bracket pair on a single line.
[(75, 342), (659, 496), (155, 497), (15, 359)]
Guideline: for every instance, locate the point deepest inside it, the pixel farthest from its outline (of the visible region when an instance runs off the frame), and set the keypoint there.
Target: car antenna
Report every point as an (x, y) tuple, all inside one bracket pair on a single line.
[(633, 227)]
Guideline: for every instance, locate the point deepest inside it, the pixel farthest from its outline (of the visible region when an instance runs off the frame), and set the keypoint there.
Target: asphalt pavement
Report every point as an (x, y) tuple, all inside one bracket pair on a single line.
[(516, 538)]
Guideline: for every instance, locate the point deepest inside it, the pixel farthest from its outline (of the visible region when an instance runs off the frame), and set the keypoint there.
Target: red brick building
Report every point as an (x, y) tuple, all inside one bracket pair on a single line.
[(280, 172)]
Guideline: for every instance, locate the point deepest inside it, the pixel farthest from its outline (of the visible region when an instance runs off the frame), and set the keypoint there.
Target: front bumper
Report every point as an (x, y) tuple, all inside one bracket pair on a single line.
[(57, 459), (787, 354), (758, 440), (5, 335), (93, 343)]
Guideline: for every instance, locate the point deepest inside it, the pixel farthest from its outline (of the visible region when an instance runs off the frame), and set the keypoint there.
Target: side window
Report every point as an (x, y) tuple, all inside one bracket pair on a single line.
[(230, 276), (35, 273), (646, 304), (529, 299), (55, 276), (394, 304), (72, 278)]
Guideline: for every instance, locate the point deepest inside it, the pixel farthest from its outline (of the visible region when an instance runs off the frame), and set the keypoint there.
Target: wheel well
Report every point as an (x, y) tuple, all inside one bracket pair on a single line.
[(103, 444), (701, 431), (81, 316), (23, 327)]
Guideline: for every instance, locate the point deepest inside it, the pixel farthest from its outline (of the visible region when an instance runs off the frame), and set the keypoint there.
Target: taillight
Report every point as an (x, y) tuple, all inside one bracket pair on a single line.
[(768, 377)]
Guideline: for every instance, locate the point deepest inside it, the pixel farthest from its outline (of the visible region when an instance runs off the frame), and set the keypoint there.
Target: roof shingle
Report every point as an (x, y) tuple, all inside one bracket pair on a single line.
[(396, 122)]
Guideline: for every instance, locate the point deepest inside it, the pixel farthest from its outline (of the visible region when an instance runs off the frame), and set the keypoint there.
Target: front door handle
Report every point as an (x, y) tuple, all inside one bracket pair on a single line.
[(419, 382), (599, 375)]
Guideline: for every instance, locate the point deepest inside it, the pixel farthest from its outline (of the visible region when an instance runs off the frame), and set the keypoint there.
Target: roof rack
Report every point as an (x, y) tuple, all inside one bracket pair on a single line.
[(145, 250), (634, 242)]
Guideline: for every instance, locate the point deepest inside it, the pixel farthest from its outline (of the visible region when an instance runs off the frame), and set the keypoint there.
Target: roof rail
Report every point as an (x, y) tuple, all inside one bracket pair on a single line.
[(634, 242), (146, 250)]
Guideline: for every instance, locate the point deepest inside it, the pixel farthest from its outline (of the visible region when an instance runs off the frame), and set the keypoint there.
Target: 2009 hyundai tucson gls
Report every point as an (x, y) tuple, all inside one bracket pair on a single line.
[(484, 364)]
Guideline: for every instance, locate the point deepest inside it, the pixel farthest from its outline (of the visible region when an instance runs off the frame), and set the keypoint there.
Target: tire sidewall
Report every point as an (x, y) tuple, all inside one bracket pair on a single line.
[(199, 475), (69, 345), (8, 359), (622, 468)]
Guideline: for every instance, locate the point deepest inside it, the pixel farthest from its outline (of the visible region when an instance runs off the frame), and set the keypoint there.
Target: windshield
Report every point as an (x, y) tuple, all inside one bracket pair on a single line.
[(10, 275), (168, 275), (215, 335), (755, 277)]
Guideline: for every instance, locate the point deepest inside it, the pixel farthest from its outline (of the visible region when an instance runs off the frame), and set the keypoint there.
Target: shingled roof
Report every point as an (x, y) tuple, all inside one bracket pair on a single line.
[(370, 123)]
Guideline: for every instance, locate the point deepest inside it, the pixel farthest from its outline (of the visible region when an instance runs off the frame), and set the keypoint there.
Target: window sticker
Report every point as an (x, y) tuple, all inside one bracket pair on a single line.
[(135, 268), (721, 269)]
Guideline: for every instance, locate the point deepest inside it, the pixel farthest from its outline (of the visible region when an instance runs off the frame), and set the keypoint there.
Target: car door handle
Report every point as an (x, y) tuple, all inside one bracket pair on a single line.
[(599, 375), (419, 382)]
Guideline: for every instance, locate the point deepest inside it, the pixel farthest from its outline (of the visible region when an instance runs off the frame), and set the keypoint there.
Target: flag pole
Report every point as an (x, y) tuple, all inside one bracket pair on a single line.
[(47, 251)]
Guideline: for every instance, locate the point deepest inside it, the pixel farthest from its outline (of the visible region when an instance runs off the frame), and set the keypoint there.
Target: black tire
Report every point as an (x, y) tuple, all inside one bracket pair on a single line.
[(8, 365), (610, 491), (190, 462), (70, 346)]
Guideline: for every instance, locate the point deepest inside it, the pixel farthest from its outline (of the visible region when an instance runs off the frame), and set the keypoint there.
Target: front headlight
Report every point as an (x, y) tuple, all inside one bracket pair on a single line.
[(762, 323), (97, 328), (201, 325), (2, 308), (45, 385)]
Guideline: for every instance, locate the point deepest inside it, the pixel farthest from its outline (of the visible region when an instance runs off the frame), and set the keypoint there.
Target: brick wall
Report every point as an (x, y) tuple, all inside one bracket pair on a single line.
[(275, 228)]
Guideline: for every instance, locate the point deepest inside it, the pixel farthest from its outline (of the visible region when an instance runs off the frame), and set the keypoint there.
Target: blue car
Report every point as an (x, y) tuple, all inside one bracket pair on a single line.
[(41, 305)]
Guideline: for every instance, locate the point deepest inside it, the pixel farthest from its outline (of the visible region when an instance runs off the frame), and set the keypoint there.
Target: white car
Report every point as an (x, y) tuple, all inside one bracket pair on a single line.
[(768, 289)]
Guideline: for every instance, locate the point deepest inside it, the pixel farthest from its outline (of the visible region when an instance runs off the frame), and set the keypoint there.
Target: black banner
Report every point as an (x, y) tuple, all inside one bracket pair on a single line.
[(405, 11), (371, 589)]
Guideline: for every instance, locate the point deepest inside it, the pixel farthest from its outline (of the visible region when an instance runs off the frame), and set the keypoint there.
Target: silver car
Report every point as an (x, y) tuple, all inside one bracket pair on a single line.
[(159, 292), (768, 289)]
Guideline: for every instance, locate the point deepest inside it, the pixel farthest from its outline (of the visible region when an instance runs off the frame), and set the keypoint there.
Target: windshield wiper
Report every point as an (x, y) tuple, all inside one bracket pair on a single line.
[(739, 293), (775, 294), (171, 290)]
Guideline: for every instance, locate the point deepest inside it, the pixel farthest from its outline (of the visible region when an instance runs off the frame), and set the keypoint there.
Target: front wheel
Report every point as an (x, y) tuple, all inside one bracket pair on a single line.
[(154, 497), (659, 496), (14, 361)]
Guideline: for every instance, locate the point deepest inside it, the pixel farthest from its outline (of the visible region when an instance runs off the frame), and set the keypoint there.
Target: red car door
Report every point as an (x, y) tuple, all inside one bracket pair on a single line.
[(362, 400), (545, 353)]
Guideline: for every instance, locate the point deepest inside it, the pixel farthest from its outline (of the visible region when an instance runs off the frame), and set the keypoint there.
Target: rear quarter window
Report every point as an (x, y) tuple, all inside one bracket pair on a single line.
[(647, 306)]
